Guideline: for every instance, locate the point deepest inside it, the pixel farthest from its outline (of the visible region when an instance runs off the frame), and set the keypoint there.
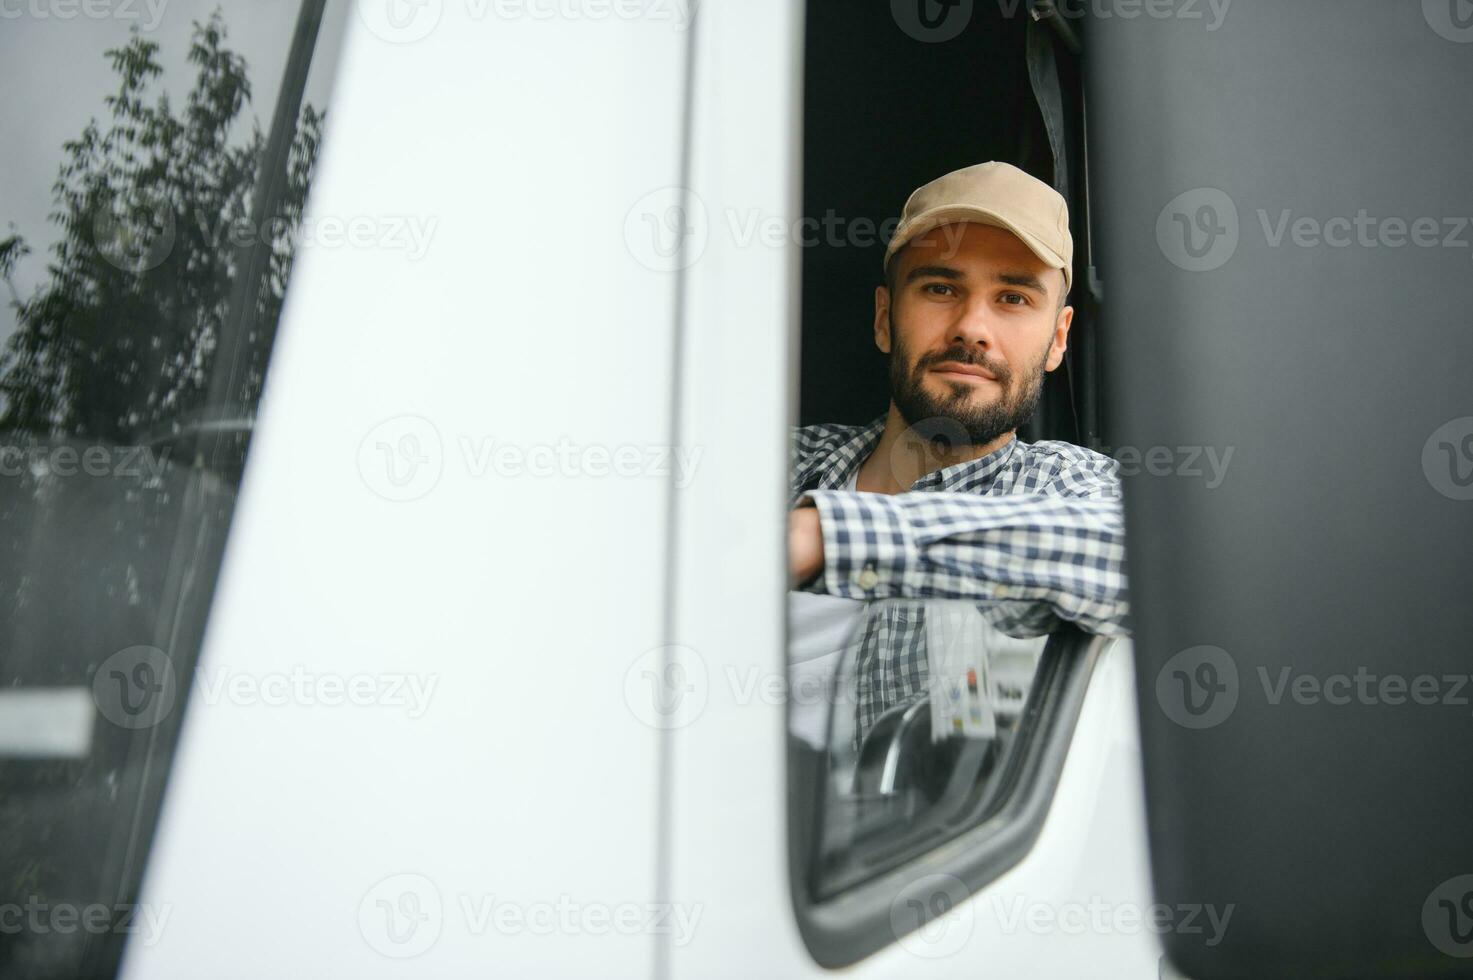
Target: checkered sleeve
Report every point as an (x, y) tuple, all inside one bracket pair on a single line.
[(1029, 559), (1087, 475)]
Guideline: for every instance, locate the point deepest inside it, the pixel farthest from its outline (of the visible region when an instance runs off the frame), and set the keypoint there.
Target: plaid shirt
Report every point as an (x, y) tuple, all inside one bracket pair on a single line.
[(1032, 532)]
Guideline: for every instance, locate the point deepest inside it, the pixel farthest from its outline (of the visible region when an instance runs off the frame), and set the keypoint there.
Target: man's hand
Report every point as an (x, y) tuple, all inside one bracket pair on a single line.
[(805, 546)]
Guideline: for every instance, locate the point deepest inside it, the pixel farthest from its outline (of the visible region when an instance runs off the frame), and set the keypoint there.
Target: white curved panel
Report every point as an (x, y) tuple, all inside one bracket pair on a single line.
[(455, 483)]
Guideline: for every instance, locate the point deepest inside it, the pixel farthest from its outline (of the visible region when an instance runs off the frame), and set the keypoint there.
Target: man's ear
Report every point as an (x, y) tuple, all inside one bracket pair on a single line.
[(1060, 341), (882, 319)]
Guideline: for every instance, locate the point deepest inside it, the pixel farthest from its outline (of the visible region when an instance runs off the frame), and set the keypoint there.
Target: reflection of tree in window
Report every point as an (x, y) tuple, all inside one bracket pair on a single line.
[(155, 208), (145, 342)]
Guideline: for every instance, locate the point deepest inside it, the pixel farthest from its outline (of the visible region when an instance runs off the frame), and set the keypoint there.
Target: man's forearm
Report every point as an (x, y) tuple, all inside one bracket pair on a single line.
[(1065, 552)]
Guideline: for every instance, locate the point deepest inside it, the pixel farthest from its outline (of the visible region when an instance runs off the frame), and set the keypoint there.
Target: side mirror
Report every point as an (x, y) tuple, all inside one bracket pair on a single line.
[(1290, 407)]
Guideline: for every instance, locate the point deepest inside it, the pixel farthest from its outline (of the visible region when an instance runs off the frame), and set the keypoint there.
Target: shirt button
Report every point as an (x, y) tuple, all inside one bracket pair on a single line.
[(1001, 591), (867, 579)]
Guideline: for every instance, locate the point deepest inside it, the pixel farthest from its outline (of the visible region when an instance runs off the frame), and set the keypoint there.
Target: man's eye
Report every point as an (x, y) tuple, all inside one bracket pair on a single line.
[(1015, 299), (939, 289)]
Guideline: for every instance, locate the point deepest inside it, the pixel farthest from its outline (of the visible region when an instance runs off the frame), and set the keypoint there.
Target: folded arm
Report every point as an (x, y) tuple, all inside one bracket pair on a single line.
[(1029, 560)]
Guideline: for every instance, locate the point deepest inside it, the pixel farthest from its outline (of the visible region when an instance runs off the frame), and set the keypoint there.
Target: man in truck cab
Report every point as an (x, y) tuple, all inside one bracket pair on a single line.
[(938, 498)]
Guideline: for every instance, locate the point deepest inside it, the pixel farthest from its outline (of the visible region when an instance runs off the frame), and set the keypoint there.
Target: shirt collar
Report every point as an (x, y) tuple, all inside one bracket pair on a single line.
[(971, 476), (850, 454)]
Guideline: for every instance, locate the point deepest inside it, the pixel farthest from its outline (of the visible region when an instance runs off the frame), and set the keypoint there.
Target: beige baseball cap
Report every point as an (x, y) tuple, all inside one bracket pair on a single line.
[(996, 194)]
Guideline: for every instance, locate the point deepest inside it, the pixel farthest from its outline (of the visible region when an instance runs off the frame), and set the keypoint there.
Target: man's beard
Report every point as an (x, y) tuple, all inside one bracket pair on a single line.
[(952, 417)]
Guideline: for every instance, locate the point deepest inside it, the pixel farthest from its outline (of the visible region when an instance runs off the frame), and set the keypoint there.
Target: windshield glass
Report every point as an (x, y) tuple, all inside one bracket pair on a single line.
[(157, 161)]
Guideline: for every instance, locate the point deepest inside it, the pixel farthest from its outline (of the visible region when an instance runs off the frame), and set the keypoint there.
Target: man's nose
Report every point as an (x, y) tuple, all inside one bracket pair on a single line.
[(974, 327)]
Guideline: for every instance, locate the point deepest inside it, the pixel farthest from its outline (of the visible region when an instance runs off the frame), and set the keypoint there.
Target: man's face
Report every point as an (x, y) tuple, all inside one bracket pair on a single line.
[(975, 321)]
